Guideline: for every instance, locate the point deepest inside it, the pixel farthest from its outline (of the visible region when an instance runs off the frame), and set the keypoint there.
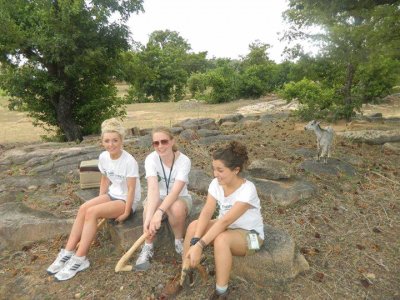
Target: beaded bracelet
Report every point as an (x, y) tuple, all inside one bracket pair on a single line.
[(202, 244)]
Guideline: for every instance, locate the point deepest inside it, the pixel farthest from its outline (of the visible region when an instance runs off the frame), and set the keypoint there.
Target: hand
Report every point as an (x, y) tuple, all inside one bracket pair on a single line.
[(123, 217), (155, 222), (194, 255)]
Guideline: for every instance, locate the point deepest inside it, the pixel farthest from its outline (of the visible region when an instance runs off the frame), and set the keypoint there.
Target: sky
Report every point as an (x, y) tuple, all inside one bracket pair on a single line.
[(223, 28)]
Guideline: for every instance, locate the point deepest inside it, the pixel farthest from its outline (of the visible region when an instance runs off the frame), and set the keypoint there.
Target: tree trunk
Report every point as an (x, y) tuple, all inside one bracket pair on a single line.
[(66, 122), (348, 102)]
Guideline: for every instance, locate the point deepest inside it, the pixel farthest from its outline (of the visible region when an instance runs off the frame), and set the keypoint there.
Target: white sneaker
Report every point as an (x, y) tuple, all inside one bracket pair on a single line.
[(179, 246), (62, 257), (74, 265), (143, 261)]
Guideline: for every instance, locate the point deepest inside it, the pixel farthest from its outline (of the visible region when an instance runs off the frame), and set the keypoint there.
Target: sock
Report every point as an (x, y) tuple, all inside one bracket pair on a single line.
[(69, 252), (221, 289), (178, 241), (149, 244)]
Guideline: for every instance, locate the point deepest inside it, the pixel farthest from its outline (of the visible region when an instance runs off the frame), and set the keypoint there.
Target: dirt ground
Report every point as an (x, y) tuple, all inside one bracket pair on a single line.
[(349, 233)]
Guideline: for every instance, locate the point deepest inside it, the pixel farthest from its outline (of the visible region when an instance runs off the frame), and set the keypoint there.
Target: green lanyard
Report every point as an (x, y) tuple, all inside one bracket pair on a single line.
[(170, 171)]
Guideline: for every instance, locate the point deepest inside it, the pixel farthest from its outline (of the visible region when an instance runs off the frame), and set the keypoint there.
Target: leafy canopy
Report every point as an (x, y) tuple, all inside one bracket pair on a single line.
[(58, 59)]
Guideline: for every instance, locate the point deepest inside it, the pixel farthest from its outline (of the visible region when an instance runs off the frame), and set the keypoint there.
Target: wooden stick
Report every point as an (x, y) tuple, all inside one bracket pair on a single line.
[(122, 265), (99, 225)]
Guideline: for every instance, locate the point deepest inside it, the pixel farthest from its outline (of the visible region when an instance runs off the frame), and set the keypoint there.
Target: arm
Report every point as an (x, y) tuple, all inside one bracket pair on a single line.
[(194, 253), (205, 215), (165, 205), (131, 183), (104, 184), (153, 200)]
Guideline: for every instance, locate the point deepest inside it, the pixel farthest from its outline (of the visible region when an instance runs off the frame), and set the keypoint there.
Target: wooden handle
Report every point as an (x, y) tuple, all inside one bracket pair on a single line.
[(122, 263)]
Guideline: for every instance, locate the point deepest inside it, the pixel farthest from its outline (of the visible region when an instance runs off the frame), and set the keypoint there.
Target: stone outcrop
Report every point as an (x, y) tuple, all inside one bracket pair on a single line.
[(374, 137), (277, 260), (21, 226), (270, 168), (332, 167)]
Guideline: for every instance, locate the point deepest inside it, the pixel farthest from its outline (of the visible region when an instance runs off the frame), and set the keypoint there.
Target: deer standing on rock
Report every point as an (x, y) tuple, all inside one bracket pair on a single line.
[(324, 139)]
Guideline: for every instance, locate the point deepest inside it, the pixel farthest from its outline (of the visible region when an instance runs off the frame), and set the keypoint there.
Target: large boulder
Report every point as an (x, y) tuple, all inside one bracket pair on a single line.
[(284, 193), (374, 137), (199, 181), (277, 260), (21, 226), (230, 118), (201, 123), (332, 167), (270, 168)]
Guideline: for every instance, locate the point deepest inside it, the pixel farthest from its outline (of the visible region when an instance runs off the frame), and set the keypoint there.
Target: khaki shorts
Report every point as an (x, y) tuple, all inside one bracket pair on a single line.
[(244, 233), (187, 199)]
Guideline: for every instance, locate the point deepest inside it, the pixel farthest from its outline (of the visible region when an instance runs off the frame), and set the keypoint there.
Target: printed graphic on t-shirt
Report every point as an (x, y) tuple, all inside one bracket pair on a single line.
[(225, 207), (112, 176)]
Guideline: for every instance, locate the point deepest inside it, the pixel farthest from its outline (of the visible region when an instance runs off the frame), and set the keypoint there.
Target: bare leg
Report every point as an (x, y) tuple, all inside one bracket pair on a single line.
[(227, 244), (176, 217), (111, 209), (76, 231)]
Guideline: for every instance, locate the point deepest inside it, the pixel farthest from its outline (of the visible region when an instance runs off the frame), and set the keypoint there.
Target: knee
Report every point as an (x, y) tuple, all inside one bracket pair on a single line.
[(90, 214), (220, 241), (191, 228), (178, 212)]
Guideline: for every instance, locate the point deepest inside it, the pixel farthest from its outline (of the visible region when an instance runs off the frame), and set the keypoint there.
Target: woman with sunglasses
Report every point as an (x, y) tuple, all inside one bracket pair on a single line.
[(167, 174), (119, 197)]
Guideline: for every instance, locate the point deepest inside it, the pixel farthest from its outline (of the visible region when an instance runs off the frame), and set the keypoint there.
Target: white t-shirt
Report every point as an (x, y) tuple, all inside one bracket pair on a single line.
[(246, 193), (180, 171), (117, 171)]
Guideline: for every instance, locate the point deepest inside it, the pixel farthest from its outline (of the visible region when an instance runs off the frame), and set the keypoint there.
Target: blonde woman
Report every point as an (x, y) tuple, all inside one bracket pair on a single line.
[(167, 174), (119, 197)]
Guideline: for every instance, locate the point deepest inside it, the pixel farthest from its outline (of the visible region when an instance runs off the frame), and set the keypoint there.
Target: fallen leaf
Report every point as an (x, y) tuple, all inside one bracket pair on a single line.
[(360, 247), (319, 276), (365, 283), (377, 230)]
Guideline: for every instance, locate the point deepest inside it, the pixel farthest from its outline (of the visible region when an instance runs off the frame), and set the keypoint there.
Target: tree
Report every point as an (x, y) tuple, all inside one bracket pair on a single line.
[(354, 34), (159, 71), (59, 57)]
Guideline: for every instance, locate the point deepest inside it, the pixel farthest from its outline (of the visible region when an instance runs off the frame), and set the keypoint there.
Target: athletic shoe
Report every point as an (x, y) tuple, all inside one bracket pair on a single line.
[(216, 296), (179, 247), (143, 261), (74, 265), (62, 257)]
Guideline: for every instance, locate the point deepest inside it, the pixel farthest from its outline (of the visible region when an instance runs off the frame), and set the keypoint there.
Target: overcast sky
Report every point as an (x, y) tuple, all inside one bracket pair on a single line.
[(223, 28)]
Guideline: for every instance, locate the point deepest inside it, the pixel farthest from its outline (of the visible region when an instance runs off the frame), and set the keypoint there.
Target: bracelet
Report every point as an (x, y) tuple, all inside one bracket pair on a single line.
[(202, 244), (163, 211), (194, 241)]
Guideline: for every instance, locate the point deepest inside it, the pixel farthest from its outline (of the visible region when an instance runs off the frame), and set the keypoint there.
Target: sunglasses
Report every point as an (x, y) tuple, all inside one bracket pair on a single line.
[(162, 142)]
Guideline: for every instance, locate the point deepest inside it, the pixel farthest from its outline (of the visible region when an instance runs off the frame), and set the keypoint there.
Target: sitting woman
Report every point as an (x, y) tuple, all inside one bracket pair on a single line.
[(119, 197), (238, 229), (167, 173)]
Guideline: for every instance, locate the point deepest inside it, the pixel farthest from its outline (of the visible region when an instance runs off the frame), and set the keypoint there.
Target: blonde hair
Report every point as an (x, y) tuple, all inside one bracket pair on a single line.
[(113, 125), (166, 131)]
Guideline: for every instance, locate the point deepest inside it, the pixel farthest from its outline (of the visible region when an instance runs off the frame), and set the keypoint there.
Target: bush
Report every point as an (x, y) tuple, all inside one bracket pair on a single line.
[(315, 99)]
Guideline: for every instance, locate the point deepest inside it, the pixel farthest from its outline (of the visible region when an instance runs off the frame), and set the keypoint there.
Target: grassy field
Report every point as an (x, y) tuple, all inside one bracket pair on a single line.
[(17, 126)]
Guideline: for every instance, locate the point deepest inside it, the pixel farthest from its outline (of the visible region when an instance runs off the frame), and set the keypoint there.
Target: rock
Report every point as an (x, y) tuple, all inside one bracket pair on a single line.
[(270, 168), (265, 118), (144, 141), (277, 260), (251, 123), (21, 226), (374, 137), (391, 148), (284, 193), (199, 181), (176, 130), (208, 132), (230, 118), (189, 135), (332, 167), (24, 182), (227, 124), (306, 153), (201, 123), (219, 138), (10, 196)]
